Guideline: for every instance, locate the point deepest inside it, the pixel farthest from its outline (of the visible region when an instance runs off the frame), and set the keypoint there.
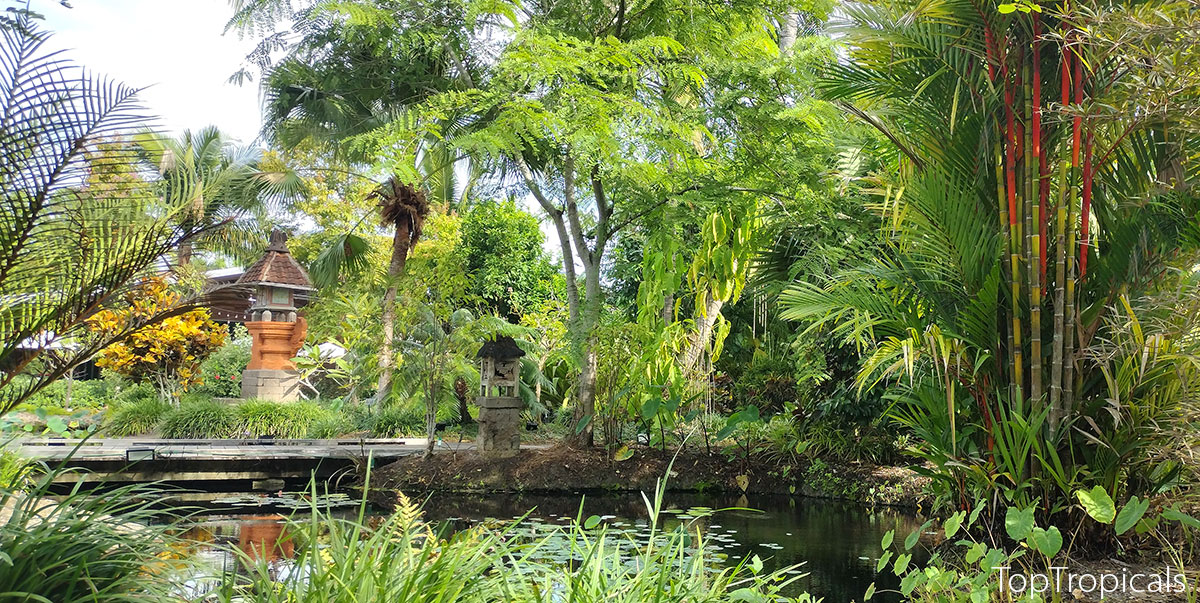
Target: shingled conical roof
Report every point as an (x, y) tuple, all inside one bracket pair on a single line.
[(502, 347), (277, 267)]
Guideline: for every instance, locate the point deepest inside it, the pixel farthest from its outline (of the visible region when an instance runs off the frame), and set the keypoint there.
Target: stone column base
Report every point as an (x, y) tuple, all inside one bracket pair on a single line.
[(279, 385), (499, 426)]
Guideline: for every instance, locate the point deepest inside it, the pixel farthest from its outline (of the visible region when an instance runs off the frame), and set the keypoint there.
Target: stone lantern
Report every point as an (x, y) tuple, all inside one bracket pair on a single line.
[(276, 332), (499, 403)]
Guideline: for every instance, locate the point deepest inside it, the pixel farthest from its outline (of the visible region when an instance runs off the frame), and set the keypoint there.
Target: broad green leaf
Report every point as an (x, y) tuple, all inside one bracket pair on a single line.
[(1174, 514), (901, 563), (747, 595), (1018, 523), (976, 552), (887, 539), (912, 539), (883, 561), (870, 592), (1007, 8), (1047, 542), (591, 522), (623, 454), (583, 423), (951, 526), (1131, 514), (979, 507), (1098, 504)]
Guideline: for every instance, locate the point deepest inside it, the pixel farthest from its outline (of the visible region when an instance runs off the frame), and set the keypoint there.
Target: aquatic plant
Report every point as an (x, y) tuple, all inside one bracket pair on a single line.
[(403, 559)]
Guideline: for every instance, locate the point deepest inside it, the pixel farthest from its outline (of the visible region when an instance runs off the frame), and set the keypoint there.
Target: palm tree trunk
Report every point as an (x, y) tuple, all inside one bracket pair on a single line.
[(1033, 245), (400, 244), (1014, 227), (185, 252), (432, 392), (1069, 331), (1060, 267), (1011, 326)]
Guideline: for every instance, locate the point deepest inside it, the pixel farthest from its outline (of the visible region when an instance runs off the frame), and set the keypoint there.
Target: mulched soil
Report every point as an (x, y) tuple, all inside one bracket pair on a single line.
[(562, 468)]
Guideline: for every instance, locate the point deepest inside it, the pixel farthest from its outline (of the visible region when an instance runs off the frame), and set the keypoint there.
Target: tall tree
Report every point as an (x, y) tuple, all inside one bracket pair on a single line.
[(223, 184), (356, 68)]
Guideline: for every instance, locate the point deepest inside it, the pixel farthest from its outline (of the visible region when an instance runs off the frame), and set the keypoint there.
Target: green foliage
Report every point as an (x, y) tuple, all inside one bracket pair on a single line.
[(288, 420), (201, 419), (84, 394), (78, 548), (402, 559), (136, 417), (508, 270), (221, 372), (399, 420), (81, 225), (330, 426)]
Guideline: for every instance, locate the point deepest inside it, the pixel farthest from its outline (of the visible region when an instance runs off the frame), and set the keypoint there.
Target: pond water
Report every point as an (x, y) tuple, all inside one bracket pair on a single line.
[(837, 543)]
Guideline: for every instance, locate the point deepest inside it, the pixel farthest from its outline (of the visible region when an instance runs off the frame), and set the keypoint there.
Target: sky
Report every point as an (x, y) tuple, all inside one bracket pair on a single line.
[(177, 50), (174, 48)]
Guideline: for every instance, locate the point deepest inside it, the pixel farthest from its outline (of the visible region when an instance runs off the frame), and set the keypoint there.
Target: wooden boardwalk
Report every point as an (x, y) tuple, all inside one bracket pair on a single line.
[(216, 461)]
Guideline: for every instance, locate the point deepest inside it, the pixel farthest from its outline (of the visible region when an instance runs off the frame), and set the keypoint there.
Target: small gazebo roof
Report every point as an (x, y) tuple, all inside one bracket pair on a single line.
[(502, 347), (277, 267)]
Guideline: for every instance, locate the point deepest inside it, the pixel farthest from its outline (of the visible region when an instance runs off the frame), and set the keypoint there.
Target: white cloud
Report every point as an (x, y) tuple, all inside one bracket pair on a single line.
[(175, 48)]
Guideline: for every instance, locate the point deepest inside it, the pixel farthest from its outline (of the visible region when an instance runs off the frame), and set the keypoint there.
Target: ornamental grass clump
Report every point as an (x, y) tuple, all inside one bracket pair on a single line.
[(201, 419), (261, 418), (135, 418)]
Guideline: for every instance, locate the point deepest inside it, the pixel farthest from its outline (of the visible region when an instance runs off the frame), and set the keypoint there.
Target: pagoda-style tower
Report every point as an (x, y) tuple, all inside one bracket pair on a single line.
[(277, 333)]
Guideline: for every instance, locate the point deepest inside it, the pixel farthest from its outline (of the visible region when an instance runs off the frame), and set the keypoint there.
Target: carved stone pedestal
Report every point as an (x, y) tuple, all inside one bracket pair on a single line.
[(271, 374), (499, 426), (279, 385)]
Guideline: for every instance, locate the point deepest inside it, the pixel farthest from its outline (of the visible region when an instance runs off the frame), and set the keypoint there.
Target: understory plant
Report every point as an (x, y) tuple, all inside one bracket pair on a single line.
[(988, 558), (196, 419)]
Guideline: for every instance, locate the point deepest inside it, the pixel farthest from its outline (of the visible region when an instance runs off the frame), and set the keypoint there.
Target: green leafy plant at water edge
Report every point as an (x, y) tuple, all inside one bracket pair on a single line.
[(974, 569), (403, 559), (201, 419), (135, 418), (79, 548)]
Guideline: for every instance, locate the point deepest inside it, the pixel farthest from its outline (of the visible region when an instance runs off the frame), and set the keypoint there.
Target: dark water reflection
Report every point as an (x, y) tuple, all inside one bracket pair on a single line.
[(838, 543)]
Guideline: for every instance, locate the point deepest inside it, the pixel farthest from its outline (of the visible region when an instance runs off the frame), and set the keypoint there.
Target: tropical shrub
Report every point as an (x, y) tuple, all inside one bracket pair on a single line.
[(201, 419), (136, 417), (73, 394), (221, 372), (167, 353)]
